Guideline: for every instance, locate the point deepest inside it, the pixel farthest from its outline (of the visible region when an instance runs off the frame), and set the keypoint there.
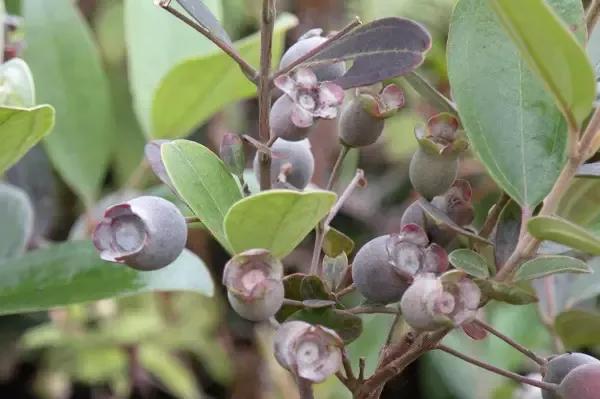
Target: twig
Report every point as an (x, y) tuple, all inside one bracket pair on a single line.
[(305, 389), (246, 68), (356, 22), (591, 15), (492, 219), (548, 318), (345, 291), (505, 373), (372, 310), (264, 89), (358, 181), (426, 90), (192, 219), (527, 352), (337, 167)]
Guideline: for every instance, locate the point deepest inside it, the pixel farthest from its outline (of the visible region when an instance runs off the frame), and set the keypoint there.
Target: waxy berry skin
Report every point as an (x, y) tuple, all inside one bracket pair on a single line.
[(294, 160), (146, 233), (582, 383), (432, 175), (558, 367), (358, 128)]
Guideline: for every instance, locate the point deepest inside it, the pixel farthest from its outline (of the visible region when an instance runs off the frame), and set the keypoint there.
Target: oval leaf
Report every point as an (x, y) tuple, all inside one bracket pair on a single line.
[(16, 213), (578, 328), (505, 292), (202, 14), (196, 88), (20, 129), (553, 52), (18, 88), (547, 265), (302, 287), (68, 74), (513, 124), (564, 232), (470, 262), (382, 49), (203, 182), (336, 243), (72, 272), (156, 41), (277, 220)]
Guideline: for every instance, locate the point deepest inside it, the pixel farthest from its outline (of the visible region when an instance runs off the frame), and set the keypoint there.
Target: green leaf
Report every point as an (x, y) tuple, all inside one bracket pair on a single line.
[(578, 328), (157, 41), (470, 262), (336, 243), (580, 203), (564, 232), (512, 122), (335, 270), (546, 265), (72, 272), (277, 220), (505, 292), (68, 74), (170, 371), (553, 52), (583, 287), (17, 84), (204, 183), (507, 232), (21, 129), (16, 213), (198, 87), (347, 325), (301, 287)]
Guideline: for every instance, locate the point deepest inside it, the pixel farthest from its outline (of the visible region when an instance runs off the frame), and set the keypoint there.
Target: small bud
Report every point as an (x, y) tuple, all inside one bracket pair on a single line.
[(232, 153), (581, 383), (559, 366), (146, 233), (309, 352), (306, 43), (431, 302), (254, 284), (362, 119), (292, 164)]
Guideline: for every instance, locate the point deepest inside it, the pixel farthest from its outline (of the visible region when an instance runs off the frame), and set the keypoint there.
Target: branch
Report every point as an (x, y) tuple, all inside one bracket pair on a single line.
[(246, 68), (305, 389), (356, 22), (264, 89), (337, 167), (372, 310), (527, 352), (505, 373), (591, 15)]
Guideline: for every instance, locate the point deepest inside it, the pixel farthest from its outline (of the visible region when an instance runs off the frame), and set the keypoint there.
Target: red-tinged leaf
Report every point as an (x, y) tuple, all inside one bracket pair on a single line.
[(474, 331), (381, 50)]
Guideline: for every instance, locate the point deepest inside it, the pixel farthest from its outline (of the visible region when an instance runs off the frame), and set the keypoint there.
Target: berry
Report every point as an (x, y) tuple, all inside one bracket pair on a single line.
[(558, 367), (310, 352), (306, 43), (154, 158), (254, 284), (432, 302), (292, 164), (414, 214), (432, 174), (146, 233), (383, 267), (281, 121), (362, 120), (582, 383)]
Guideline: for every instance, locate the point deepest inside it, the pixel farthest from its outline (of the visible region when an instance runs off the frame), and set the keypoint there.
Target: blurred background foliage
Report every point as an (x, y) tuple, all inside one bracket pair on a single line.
[(120, 72)]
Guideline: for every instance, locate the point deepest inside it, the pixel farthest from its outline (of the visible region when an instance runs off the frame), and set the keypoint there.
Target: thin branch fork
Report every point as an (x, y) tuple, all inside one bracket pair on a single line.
[(246, 68), (504, 373), (356, 22)]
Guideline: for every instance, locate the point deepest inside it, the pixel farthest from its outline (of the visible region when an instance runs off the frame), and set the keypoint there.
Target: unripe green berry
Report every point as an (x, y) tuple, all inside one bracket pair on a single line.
[(374, 275), (432, 174), (558, 367), (357, 127), (582, 383), (305, 44), (281, 121), (292, 160)]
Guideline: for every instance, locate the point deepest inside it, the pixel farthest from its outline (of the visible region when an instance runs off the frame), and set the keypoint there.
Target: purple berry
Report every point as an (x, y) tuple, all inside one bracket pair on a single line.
[(146, 233), (582, 383), (558, 367), (254, 284), (306, 43), (292, 164), (281, 121), (310, 352)]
